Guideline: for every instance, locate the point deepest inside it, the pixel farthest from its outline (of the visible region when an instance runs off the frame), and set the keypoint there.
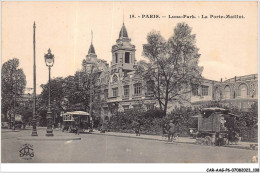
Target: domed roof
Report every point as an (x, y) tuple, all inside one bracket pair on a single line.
[(91, 49), (123, 32)]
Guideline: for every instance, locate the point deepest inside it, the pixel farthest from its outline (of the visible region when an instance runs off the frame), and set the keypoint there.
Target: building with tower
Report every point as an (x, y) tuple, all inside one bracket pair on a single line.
[(121, 88)]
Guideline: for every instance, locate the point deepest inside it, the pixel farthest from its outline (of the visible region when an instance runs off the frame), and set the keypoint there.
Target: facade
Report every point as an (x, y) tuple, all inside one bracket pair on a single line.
[(122, 88), (239, 91)]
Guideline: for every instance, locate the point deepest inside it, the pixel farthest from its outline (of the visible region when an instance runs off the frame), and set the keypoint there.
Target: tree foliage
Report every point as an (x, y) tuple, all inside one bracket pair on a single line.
[(173, 65), (72, 93), (13, 82)]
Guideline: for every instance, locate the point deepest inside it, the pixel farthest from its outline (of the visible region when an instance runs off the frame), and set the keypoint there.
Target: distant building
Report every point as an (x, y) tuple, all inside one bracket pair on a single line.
[(122, 88), (240, 91)]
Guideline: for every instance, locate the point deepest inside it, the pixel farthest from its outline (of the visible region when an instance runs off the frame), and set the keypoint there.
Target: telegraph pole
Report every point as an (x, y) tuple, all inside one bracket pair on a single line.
[(34, 131)]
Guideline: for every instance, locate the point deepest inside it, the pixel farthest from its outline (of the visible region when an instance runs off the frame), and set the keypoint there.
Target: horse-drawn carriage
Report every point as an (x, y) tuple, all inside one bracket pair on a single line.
[(216, 127), (74, 120)]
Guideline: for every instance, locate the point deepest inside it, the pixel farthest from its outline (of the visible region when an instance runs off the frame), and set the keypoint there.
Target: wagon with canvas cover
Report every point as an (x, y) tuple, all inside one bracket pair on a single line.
[(216, 127)]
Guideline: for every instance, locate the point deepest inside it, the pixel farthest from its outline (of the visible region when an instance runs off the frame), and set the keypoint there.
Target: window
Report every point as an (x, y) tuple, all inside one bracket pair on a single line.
[(127, 57), (126, 90), (218, 94), (116, 56), (195, 90), (106, 93), (125, 73), (150, 87), (227, 92), (115, 92), (138, 89), (242, 90), (204, 90)]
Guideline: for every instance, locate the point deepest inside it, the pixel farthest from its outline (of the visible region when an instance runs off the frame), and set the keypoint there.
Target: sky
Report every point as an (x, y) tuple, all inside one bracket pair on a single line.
[(228, 47)]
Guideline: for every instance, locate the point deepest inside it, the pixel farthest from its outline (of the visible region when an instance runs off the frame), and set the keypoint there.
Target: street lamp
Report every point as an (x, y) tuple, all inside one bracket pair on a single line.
[(49, 60)]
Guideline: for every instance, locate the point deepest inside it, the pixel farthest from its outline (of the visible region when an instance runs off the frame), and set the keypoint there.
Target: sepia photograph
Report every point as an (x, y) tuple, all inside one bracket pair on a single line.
[(129, 82)]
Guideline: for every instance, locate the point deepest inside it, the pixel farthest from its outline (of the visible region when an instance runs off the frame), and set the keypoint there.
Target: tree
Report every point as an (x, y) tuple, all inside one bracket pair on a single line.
[(173, 65), (57, 96), (13, 84), (89, 79)]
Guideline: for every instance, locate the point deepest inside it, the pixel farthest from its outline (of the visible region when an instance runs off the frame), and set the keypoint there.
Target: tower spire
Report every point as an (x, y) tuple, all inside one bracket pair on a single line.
[(91, 49)]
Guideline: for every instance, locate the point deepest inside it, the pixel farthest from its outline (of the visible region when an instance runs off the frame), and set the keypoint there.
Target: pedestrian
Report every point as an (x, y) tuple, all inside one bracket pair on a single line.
[(171, 131), (137, 127), (104, 126), (164, 131), (77, 130), (91, 123)]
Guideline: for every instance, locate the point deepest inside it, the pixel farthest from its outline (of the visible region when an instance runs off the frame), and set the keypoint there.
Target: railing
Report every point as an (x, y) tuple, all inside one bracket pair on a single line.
[(137, 95)]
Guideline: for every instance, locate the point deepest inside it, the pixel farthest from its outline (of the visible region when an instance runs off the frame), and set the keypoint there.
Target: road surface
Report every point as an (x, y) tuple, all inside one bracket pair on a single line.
[(110, 149)]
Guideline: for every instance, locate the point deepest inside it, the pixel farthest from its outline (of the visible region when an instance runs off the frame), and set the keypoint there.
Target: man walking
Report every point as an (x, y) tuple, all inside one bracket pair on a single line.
[(171, 131)]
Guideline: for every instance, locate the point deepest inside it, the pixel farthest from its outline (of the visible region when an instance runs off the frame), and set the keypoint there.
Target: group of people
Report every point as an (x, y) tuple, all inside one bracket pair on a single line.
[(170, 130)]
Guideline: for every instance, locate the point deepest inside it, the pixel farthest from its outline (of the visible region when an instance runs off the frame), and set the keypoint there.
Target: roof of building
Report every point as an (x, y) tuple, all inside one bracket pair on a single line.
[(123, 32), (243, 78), (91, 49)]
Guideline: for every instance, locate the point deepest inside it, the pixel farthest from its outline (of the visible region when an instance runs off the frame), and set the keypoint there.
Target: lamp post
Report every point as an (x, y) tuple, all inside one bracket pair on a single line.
[(49, 60)]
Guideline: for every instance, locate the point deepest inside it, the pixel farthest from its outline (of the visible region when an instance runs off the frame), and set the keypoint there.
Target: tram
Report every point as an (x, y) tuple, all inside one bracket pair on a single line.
[(75, 118)]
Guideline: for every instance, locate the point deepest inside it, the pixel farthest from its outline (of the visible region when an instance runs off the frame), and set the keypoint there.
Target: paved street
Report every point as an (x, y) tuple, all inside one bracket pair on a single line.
[(94, 148)]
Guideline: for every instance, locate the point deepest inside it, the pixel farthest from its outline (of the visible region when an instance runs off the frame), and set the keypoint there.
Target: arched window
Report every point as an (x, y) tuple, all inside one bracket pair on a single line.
[(227, 91), (217, 94), (242, 90)]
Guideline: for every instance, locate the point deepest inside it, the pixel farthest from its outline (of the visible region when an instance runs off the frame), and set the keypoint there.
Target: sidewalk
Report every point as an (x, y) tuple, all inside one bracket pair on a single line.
[(186, 140), (9, 130)]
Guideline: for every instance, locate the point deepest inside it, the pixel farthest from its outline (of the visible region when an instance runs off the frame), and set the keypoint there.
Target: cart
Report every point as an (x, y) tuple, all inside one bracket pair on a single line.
[(216, 127)]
